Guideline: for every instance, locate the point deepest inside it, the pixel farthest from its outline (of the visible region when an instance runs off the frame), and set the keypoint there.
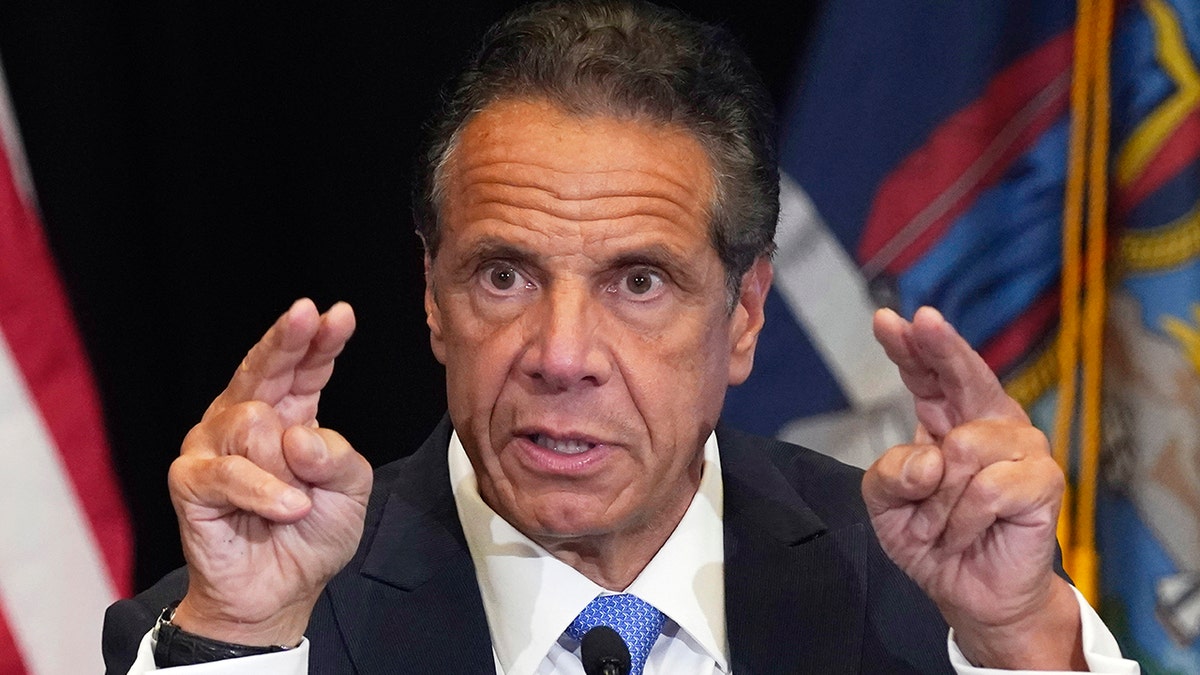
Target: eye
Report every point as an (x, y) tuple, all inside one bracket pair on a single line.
[(639, 284), (504, 278)]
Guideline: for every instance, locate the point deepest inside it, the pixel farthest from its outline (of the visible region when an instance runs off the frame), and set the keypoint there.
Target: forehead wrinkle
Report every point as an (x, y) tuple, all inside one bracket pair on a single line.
[(599, 204), (596, 210), (506, 168), (581, 187), (528, 166)]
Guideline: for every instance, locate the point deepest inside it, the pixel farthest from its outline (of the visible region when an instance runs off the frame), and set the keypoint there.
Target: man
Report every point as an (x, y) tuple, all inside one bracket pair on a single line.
[(598, 214)]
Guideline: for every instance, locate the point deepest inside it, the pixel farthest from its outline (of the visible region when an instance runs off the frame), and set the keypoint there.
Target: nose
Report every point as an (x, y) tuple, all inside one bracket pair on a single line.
[(566, 347)]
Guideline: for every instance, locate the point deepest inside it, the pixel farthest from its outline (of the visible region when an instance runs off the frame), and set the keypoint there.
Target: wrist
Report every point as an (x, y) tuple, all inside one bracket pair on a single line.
[(284, 627), (174, 646), (1049, 637)]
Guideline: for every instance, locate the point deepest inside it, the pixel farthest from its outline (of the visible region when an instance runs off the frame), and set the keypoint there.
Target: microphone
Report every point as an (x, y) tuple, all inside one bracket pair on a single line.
[(603, 652)]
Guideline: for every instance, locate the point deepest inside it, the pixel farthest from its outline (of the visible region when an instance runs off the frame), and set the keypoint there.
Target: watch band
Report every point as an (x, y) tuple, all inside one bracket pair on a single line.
[(177, 647)]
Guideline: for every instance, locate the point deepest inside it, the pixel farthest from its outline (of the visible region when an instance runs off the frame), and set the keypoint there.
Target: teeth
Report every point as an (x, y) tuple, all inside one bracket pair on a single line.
[(567, 447)]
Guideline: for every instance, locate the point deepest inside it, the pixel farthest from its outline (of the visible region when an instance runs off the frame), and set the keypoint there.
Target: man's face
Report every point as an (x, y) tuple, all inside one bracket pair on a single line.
[(581, 312)]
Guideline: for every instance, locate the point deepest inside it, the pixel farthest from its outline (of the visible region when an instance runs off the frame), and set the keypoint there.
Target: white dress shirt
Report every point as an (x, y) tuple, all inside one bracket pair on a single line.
[(530, 597)]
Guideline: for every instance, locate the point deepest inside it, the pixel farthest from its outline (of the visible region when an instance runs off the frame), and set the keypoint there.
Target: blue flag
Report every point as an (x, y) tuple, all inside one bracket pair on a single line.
[(925, 156), (1149, 518), (924, 146)]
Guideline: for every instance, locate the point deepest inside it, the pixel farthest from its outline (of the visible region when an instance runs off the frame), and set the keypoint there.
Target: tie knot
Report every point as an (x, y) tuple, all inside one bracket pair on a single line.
[(635, 620)]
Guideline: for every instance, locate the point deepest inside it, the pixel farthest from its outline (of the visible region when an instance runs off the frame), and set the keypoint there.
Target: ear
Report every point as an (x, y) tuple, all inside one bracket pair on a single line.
[(747, 320), (433, 315)]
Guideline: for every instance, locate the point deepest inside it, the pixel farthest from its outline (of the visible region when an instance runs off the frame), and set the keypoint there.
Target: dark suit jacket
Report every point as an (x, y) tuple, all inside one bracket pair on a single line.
[(808, 589)]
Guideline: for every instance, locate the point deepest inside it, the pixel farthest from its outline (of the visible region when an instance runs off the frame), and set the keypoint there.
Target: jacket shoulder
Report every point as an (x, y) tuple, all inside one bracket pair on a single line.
[(830, 488)]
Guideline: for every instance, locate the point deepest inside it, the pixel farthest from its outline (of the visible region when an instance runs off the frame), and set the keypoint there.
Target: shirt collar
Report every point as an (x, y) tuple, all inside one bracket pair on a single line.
[(530, 597)]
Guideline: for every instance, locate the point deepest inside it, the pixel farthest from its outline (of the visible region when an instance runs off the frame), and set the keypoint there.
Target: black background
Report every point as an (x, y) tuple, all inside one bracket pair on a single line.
[(199, 165)]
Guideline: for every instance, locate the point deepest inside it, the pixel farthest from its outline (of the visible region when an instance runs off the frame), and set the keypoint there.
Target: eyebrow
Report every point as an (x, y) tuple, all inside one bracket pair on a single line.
[(657, 255), (491, 247)]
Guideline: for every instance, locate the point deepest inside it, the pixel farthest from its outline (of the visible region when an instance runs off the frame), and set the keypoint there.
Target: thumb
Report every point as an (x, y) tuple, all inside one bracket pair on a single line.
[(905, 474)]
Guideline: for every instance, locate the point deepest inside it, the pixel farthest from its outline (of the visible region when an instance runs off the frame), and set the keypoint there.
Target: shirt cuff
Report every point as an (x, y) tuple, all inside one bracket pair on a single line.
[(1100, 648), (287, 662)]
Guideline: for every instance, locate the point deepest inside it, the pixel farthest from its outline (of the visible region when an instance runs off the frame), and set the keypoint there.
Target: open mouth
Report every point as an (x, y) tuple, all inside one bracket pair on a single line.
[(566, 446)]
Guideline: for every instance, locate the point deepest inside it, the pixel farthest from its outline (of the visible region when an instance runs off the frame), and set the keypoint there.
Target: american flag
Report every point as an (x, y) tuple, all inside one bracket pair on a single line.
[(65, 542)]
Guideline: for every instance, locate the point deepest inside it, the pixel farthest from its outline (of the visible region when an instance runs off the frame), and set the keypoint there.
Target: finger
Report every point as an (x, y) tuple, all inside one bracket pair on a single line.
[(334, 330), (293, 359), (300, 359), (904, 475), (950, 382), (207, 488), (324, 459), (252, 432), (298, 405), (252, 429), (968, 384), (967, 451), (277, 353), (1025, 493), (981, 443), (894, 334)]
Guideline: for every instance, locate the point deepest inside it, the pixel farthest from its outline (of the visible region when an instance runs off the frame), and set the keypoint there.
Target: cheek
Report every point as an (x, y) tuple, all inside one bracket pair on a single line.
[(480, 354), (712, 370), (700, 348), (677, 377)]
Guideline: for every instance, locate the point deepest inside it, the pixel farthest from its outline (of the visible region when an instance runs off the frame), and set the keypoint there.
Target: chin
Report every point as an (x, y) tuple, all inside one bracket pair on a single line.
[(563, 518)]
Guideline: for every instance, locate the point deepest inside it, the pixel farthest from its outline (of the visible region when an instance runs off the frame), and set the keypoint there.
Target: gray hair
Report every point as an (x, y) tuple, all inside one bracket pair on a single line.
[(628, 60)]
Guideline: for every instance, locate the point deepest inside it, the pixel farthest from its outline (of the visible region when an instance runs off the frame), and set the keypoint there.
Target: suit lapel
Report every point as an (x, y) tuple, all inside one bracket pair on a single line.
[(409, 601), (793, 589)]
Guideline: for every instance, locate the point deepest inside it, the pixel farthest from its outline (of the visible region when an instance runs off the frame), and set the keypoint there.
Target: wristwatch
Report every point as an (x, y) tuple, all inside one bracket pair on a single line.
[(176, 647)]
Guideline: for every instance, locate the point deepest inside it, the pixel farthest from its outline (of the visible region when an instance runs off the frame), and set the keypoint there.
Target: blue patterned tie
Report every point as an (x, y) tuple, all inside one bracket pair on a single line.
[(635, 620)]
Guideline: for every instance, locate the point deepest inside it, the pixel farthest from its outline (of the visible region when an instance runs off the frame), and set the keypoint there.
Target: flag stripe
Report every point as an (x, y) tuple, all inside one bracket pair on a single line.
[(11, 146), (963, 156), (1180, 150), (830, 299), (35, 320), (52, 577), (65, 549), (1018, 338), (10, 657)]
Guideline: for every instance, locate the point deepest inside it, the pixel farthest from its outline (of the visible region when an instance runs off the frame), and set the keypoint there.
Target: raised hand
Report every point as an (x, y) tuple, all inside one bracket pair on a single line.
[(270, 505), (969, 509)]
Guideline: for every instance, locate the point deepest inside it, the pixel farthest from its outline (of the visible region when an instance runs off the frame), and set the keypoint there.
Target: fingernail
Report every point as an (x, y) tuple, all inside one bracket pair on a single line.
[(316, 445), (293, 500), (914, 468)]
